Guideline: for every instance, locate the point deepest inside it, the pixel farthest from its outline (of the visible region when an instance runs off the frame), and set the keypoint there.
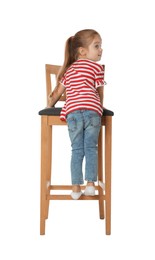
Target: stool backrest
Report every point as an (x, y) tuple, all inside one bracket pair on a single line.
[(52, 70)]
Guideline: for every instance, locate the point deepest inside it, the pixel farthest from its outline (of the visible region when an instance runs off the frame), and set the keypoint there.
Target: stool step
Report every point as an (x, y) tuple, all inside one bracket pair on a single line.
[(69, 187), (68, 197)]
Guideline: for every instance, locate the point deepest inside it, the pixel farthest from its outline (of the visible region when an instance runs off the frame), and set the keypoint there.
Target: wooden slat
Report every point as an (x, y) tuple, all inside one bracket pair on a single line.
[(55, 120), (48, 85), (102, 185), (50, 70), (68, 197), (66, 187), (53, 69)]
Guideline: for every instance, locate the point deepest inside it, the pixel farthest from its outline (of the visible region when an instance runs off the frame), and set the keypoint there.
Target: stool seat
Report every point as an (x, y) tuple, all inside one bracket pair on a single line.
[(55, 111)]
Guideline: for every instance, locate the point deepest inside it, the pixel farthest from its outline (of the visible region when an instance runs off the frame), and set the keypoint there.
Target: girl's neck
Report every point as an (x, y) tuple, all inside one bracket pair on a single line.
[(85, 59)]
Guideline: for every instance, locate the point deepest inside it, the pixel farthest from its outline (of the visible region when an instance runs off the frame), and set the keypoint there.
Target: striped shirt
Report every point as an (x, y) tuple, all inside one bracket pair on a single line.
[(81, 81)]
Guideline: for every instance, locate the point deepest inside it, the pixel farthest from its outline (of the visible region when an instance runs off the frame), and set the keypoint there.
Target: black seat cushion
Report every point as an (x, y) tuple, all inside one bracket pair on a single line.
[(55, 111)]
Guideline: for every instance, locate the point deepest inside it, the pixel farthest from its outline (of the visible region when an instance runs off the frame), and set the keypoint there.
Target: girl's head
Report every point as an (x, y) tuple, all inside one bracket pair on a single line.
[(78, 45), (85, 44)]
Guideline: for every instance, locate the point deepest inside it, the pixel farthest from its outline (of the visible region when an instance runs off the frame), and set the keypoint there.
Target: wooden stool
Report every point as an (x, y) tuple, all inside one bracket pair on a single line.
[(49, 118)]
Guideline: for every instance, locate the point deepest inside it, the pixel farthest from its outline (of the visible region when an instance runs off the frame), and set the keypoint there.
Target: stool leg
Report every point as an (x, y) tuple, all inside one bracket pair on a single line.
[(108, 133), (49, 162), (100, 175), (43, 190)]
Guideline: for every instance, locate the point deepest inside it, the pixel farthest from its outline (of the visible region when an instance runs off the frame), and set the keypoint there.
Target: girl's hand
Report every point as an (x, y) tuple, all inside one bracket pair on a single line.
[(55, 95)]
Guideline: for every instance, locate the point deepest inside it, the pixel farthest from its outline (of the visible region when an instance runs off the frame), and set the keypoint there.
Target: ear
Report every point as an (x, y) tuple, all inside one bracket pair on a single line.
[(82, 51)]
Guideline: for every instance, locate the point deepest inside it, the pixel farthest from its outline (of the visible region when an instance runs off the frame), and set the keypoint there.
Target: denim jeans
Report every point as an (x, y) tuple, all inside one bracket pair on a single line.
[(84, 127)]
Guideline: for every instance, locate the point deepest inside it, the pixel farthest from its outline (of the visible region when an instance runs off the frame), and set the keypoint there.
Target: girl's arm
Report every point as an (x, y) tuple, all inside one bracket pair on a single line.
[(55, 95), (101, 94)]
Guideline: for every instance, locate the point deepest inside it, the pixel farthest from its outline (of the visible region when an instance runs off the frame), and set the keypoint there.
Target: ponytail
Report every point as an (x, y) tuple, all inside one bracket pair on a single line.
[(68, 59)]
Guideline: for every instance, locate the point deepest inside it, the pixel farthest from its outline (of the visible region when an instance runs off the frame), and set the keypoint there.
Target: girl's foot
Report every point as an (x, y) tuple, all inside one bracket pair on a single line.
[(76, 192), (90, 189)]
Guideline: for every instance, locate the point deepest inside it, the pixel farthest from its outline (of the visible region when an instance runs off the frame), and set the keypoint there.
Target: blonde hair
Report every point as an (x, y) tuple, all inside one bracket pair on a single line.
[(83, 39)]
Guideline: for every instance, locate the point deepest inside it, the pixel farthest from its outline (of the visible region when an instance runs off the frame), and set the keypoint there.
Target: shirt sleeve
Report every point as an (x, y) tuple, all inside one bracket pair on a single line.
[(99, 78), (63, 81), (63, 113)]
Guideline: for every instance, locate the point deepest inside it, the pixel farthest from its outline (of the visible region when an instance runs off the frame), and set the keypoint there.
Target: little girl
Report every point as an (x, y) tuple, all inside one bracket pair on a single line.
[(82, 79)]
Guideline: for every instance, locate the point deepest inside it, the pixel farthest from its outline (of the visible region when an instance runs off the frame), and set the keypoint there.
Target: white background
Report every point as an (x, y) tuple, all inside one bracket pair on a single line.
[(33, 33)]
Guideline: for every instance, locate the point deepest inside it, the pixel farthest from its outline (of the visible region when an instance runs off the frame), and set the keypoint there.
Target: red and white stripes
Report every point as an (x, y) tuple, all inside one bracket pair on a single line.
[(81, 81)]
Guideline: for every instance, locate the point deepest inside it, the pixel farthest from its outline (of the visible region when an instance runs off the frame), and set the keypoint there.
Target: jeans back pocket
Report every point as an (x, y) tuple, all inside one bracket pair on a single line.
[(95, 121), (72, 124)]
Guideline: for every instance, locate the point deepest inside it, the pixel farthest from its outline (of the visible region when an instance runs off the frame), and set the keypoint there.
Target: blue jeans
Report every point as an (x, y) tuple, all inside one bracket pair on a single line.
[(84, 127)]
